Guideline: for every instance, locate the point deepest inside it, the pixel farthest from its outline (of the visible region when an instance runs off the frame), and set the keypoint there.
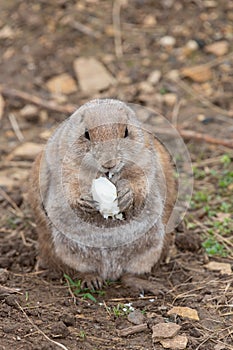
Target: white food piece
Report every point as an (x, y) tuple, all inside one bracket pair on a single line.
[(105, 194)]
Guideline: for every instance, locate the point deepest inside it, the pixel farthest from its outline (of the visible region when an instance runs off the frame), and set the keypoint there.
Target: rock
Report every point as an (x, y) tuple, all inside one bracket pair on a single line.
[(27, 150), (219, 48), (210, 3), (4, 274), (167, 41), (200, 73), (29, 112), (154, 77), (192, 45), (68, 319), (145, 87), (136, 317), (170, 99), (219, 347), (43, 116), (173, 74), (62, 84), (45, 135), (164, 330), (92, 75), (7, 32), (224, 268), (179, 342), (59, 330), (184, 312), (150, 21)]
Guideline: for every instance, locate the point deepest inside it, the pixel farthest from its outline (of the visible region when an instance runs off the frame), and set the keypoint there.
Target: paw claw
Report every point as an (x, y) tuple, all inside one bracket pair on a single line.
[(92, 282)]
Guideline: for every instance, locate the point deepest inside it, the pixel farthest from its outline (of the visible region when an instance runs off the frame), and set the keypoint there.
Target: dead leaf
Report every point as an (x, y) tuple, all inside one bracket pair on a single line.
[(219, 48), (184, 312), (199, 73), (179, 342), (92, 75), (224, 268), (164, 330), (2, 105), (62, 84)]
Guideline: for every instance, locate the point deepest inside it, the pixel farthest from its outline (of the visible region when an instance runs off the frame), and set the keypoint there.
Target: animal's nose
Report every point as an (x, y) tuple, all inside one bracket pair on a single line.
[(109, 164)]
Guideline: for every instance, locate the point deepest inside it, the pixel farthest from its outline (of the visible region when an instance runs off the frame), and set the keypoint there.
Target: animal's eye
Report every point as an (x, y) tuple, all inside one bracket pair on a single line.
[(126, 132), (87, 135)]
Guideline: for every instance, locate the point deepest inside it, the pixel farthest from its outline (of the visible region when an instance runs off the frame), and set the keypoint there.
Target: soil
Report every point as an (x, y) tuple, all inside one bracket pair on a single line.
[(39, 41)]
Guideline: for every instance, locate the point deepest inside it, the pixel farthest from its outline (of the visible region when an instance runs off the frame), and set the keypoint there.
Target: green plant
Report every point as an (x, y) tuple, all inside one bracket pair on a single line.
[(226, 159), (225, 207), (82, 334), (163, 91), (122, 309), (26, 296), (198, 173), (84, 293), (213, 247), (226, 179)]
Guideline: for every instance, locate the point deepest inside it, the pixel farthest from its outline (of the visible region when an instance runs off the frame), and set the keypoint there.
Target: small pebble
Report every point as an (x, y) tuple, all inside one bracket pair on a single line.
[(136, 317), (192, 45), (154, 77), (167, 41)]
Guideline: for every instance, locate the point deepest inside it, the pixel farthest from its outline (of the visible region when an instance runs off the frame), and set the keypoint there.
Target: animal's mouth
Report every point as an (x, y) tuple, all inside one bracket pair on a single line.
[(109, 174)]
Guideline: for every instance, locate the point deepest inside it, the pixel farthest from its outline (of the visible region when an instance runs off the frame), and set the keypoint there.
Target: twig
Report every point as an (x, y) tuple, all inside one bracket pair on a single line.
[(116, 20), (175, 113), (19, 164), (6, 291), (15, 127), (2, 105), (11, 202), (203, 342), (39, 330), (70, 291), (189, 134), (132, 330), (69, 108), (51, 105), (218, 60), (208, 161), (203, 100), (147, 297), (85, 29), (24, 240)]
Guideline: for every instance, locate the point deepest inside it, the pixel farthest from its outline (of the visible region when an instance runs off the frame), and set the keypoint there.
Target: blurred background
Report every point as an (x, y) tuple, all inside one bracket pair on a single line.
[(173, 57)]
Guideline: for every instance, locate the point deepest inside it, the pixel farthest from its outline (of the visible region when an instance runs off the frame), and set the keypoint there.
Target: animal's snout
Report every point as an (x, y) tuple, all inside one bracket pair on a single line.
[(109, 164)]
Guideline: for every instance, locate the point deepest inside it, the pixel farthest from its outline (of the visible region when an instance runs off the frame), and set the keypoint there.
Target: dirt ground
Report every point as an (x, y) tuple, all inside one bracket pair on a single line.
[(40, 40)]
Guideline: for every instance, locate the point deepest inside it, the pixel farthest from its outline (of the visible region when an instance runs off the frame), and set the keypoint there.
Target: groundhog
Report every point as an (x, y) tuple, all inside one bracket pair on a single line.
[(103, 138)]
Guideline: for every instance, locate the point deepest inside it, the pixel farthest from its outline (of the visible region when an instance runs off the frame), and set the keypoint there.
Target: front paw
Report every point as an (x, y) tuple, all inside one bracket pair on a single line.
[(87, 204), (92, 281), (124, 195)]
